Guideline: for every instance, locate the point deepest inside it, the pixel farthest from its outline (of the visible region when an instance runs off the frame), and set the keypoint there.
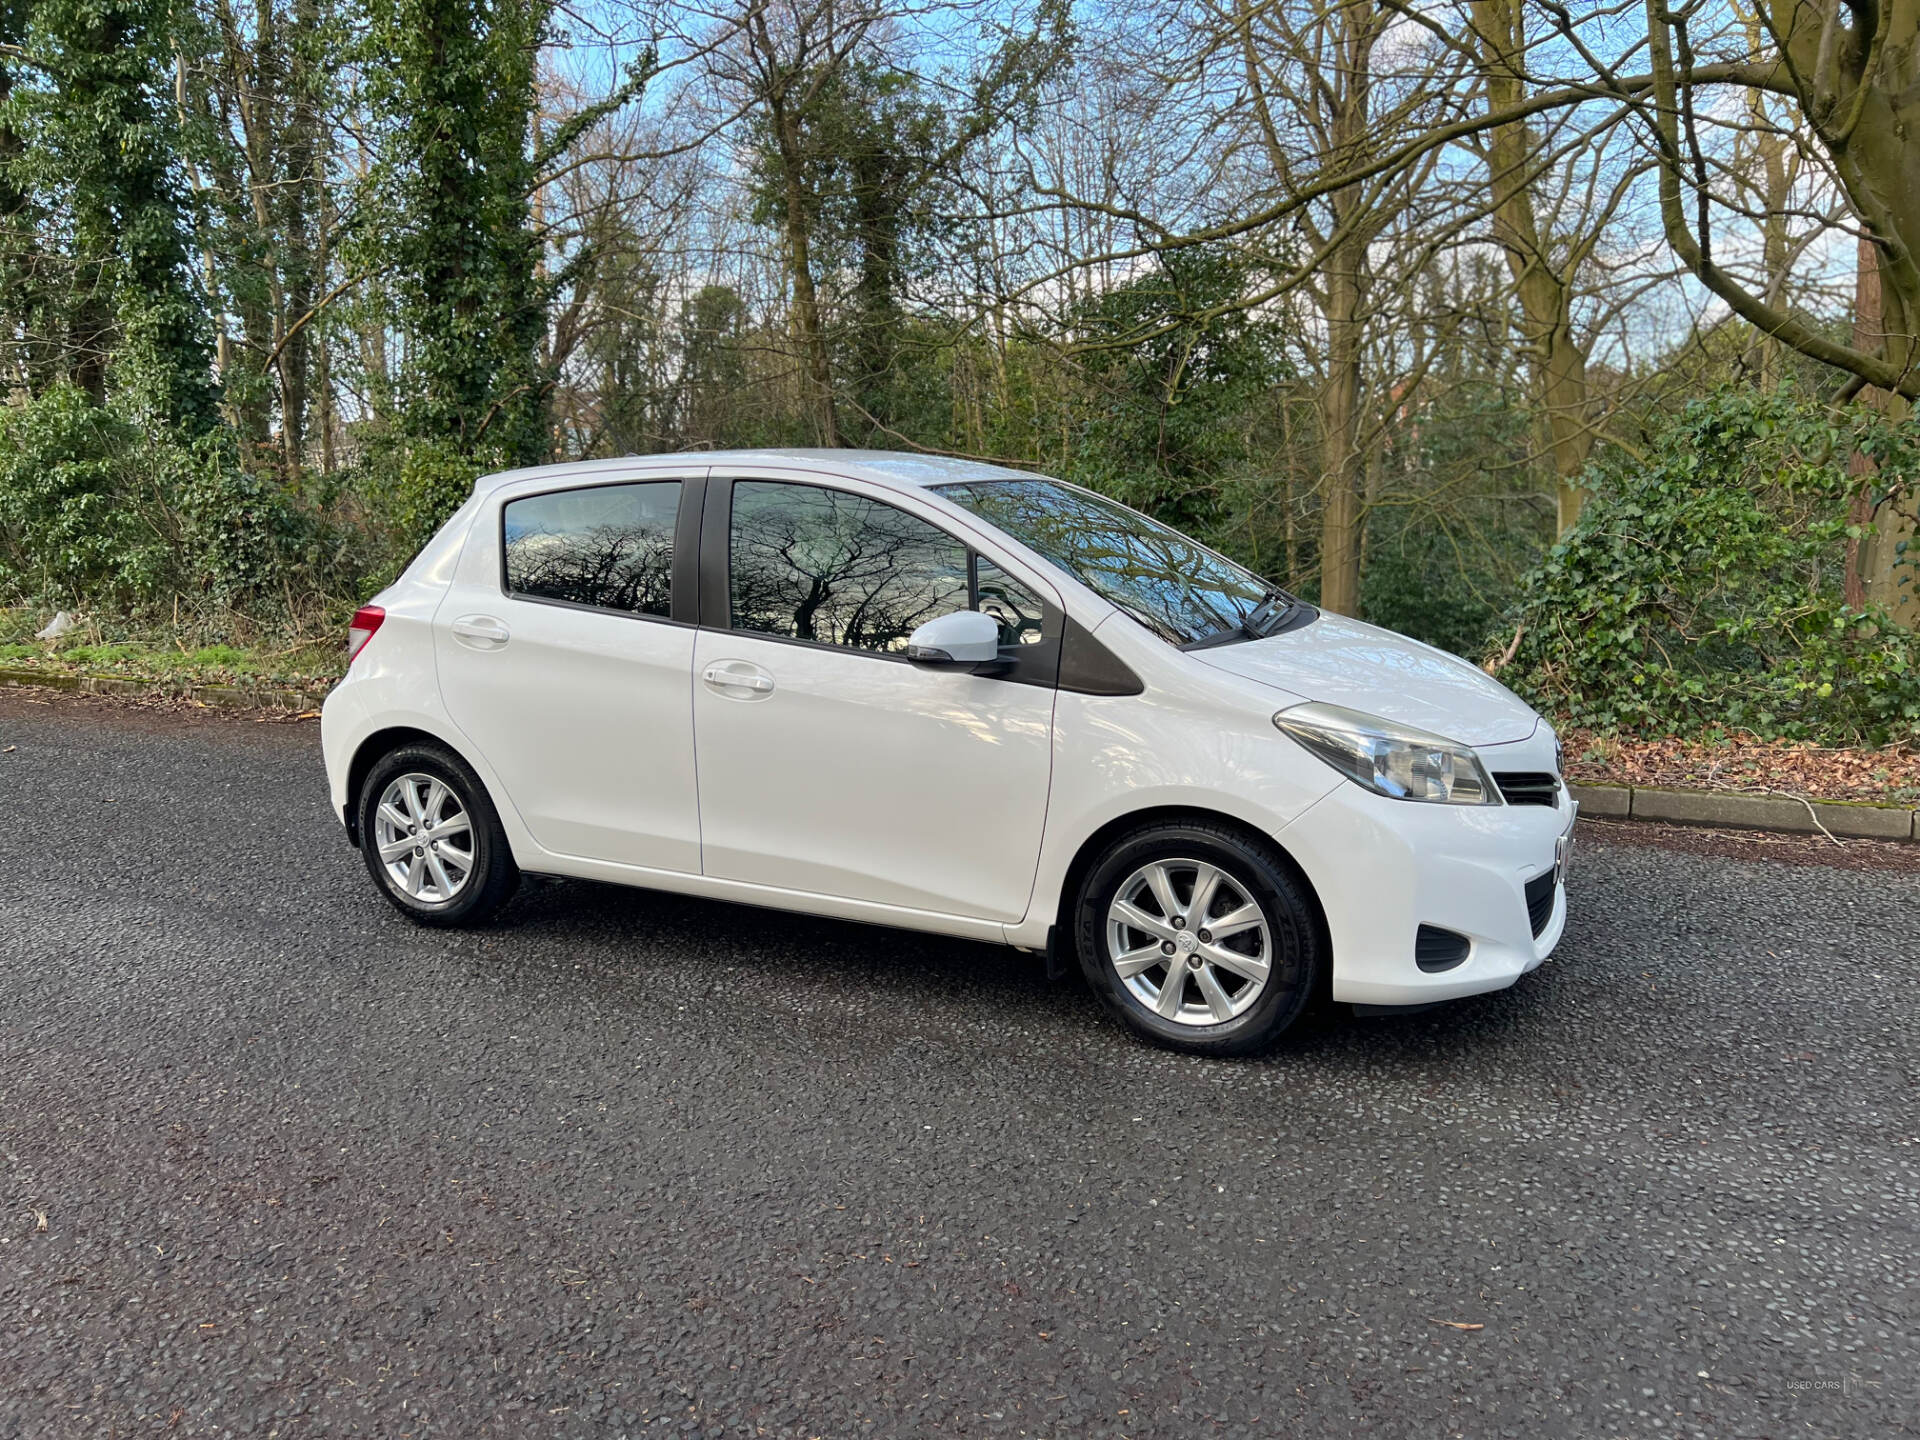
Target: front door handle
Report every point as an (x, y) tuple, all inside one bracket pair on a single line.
[(480, 632), (737, 679)]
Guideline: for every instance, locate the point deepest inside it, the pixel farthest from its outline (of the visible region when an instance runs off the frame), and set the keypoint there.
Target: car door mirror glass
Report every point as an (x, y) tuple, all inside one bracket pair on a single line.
[(964, 637)]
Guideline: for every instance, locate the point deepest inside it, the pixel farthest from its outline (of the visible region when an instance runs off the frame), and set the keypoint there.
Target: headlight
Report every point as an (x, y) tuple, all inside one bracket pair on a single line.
[(1389, 758)]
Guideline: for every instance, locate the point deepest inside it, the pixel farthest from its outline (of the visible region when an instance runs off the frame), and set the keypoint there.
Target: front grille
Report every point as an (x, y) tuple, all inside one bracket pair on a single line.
[(1540, 900), (1436, 949), (1528, 787)]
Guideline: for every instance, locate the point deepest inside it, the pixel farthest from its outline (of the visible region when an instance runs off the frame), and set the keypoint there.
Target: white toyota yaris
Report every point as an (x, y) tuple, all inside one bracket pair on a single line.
[(950, 697)]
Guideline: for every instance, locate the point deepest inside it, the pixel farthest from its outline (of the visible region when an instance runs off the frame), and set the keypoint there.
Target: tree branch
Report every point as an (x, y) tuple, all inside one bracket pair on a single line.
[(1769, 321)]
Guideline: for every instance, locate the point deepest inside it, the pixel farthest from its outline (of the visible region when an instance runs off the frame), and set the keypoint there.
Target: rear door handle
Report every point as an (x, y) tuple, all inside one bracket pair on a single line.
[(730, 677), (480, 632)]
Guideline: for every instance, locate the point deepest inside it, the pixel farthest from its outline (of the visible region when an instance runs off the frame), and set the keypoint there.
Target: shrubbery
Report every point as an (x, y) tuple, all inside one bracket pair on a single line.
[(94, 510), (1703, 587)]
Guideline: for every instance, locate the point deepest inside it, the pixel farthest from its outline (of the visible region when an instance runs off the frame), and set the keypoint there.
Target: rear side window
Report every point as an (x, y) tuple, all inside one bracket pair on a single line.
[(811, 563), (607, 546)]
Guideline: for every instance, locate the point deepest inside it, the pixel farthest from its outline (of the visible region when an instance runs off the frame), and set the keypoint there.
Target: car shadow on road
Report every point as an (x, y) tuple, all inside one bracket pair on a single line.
[(611, 942)]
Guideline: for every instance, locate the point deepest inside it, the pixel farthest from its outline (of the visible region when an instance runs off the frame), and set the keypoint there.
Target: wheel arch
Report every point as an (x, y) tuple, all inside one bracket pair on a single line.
[(1096, 843), (381, 743)]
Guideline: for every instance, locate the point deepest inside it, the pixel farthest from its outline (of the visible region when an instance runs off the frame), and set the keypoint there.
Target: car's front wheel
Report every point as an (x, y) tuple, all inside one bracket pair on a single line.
[(1198, 937), (432, 839)]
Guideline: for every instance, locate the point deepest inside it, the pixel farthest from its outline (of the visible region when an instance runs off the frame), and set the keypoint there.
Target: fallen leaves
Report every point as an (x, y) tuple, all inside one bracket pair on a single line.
[(1889, 775)]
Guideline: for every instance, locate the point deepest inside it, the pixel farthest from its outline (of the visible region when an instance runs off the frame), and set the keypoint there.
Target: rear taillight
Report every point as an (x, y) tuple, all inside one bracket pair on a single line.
[(365, 621)]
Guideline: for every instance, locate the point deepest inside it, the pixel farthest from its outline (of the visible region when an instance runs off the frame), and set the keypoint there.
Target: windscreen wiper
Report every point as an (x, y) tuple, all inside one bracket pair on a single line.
[(1273, 606)]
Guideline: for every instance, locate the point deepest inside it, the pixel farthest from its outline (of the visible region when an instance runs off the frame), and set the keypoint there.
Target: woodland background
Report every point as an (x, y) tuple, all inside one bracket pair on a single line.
[(1577, 339)]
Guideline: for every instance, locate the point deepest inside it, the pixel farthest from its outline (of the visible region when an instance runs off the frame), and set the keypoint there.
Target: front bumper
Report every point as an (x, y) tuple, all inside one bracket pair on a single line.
[(1383, 868)]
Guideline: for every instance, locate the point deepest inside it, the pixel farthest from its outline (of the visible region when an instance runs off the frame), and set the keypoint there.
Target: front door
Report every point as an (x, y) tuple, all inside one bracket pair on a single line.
[(828, 763), (561, 660)]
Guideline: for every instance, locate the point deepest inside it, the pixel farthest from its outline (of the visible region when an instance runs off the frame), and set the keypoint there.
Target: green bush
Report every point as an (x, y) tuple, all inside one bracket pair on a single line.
[(1702, 588), (67, 528), (95, 511), (433, 480)]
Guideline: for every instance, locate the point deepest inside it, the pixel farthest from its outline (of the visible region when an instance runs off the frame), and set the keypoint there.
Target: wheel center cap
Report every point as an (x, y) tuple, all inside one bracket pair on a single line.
[(1185, 942)]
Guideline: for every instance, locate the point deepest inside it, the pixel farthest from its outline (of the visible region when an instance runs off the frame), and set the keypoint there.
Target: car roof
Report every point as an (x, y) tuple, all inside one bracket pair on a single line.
[(899, 468)]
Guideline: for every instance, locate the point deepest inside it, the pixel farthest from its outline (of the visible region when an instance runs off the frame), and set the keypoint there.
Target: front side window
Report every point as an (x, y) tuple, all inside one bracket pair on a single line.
[(810, 563), (608, 546), (1174, 586), (1010, 602)]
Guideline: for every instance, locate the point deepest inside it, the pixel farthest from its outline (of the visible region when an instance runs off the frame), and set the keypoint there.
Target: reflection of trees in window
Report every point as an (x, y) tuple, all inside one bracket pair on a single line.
[(1170, 584), (610, 547), (818, 564)]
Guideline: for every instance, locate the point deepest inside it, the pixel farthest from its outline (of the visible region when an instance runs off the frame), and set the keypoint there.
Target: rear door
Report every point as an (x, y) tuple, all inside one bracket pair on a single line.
[(565, 654), (828, 763)]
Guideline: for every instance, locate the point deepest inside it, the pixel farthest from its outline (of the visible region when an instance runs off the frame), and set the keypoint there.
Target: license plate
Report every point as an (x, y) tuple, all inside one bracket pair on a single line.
[(1563, 846)]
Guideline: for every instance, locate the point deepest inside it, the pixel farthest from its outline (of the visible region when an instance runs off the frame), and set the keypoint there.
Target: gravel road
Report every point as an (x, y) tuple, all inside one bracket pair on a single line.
[(277, 1163)]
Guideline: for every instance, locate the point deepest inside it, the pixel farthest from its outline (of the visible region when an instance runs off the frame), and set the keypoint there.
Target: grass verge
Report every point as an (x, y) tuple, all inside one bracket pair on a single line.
[(168, 658)]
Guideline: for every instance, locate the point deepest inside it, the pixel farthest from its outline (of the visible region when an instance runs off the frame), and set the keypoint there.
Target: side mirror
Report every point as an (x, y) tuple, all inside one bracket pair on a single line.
[(962, 639)]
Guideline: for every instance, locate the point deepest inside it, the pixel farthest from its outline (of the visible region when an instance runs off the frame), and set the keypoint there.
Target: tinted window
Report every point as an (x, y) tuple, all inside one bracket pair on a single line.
[(1011, 603), (609, 546), (816, 564), (1176, 587)]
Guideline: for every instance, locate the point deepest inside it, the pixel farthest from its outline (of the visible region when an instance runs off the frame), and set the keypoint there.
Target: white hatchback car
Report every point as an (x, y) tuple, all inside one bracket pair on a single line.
[(948, 697)]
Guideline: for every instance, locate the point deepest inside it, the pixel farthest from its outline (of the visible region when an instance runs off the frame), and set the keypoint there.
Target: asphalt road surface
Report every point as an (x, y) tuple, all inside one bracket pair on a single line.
[(277, 1163)]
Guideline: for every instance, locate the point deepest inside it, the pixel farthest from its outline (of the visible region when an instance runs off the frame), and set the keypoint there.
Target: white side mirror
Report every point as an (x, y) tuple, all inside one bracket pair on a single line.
[(965, 637)]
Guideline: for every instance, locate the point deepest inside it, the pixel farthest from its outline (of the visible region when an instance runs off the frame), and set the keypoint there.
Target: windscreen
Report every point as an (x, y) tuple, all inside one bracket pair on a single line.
[(1176, 587)]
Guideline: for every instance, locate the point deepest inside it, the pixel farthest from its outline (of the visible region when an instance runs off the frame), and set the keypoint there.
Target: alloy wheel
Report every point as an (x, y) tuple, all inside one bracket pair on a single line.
[(425, 838), (1189, 941)]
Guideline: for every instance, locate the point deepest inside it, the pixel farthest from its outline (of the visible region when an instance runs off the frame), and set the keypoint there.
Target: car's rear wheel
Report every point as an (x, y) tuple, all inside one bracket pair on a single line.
[(432, 839), (1198, 936)]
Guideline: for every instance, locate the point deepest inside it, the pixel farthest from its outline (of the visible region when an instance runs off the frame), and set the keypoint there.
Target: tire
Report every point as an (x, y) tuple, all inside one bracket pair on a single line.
[(1219, 1008), (481, 878)]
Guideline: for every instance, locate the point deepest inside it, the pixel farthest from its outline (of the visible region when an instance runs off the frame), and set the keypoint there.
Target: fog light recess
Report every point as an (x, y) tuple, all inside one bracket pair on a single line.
[(1435, 949)]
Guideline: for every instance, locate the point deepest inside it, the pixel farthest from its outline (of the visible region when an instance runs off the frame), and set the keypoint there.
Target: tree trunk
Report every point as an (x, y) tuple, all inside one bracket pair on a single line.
[(90, 338), (320, 345), (1556, 361), (1340, 515), (301, 175), (880, 181), (1288, 530), (1880, 569), (808, 333), (807, 330), (1343, 301)]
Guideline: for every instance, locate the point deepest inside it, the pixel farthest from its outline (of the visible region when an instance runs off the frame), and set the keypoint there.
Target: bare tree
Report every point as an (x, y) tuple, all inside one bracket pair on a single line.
[(1545, 267), (1322, 94)]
